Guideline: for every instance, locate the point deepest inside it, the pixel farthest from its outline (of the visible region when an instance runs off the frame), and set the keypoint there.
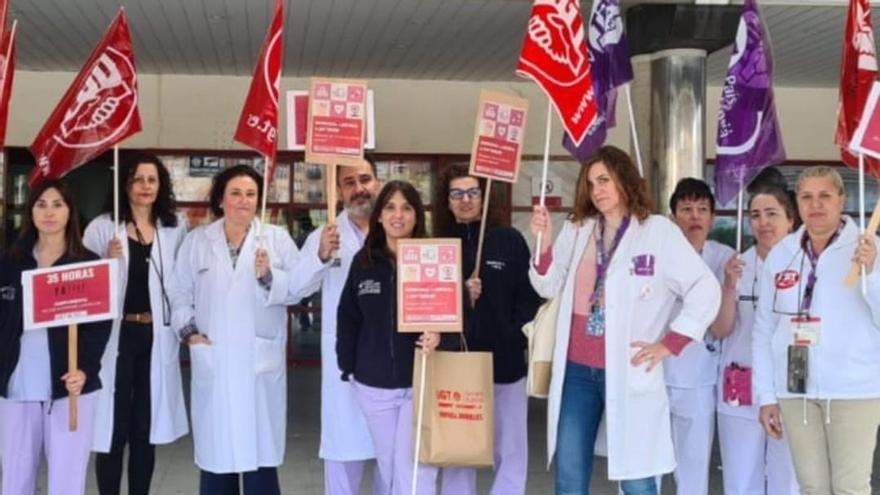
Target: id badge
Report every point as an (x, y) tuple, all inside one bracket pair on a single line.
[(805, 330)]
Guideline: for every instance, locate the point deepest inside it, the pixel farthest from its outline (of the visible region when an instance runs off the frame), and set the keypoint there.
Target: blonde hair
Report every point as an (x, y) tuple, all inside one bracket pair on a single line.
[(822, 172)]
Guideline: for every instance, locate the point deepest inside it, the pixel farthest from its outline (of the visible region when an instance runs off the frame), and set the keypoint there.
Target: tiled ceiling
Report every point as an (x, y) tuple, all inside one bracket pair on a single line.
[(410, 39)]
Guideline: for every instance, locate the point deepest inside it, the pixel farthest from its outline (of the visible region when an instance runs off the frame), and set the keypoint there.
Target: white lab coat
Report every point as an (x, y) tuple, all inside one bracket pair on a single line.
[(844, 363), (697, 366), (167, 408), (239, 381), (344, 433), (639, 442)]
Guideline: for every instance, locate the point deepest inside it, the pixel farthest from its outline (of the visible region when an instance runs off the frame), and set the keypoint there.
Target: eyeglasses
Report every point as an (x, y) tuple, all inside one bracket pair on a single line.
[(473, 193)]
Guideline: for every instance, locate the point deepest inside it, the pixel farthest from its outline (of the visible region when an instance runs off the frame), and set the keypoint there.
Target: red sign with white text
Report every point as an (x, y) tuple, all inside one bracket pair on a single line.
[(498, 139), (75, 293), (337, 112), (429, 289)]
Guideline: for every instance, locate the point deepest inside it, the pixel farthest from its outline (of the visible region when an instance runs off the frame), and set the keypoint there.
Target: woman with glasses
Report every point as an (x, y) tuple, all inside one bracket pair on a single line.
[(499, 302), (816, 342), (755, 462), (142, 404), (618, 270)]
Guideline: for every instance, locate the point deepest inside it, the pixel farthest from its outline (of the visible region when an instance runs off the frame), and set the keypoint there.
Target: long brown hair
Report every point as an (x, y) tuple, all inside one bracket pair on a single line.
[(633, 188), (29, 234), (376, 240)]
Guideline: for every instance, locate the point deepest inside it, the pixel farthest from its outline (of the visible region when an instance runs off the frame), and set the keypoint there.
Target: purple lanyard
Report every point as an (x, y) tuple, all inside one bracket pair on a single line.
[(813, 258), (604, 260)]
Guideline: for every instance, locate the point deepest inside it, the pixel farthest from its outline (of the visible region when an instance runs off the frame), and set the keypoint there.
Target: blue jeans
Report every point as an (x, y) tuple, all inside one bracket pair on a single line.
[(583, 402), (263, 481)]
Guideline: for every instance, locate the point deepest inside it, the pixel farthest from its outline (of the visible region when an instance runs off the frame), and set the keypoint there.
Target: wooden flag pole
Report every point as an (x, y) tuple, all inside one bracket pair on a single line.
[(486, 201), (632, 129), (544, 173), (72, 366), (420, 417), (331, 205), (862, 216), (854, 268)]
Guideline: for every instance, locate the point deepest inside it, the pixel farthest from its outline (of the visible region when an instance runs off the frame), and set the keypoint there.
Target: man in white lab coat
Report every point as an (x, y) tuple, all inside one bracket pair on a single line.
[(323, 265), (692, 375)]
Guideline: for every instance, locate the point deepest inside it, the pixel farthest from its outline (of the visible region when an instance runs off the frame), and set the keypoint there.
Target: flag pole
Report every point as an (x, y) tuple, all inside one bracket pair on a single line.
[(544, 172), (739, 221), (116, 187), (265, 199), (420, 415), (862, 216), (632, 129)]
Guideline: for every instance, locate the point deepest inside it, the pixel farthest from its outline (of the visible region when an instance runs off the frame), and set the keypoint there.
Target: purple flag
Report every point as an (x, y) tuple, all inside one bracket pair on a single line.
[(611, 67), (748, 133)]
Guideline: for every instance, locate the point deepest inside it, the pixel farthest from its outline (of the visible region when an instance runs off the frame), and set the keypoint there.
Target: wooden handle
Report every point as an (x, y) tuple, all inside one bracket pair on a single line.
[(476, 273), (72, 366), (331, 201), (855, 268)]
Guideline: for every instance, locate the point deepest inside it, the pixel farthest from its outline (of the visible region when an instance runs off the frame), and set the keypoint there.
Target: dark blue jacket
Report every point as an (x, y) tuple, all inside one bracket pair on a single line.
[(507, 300), (92, 336)]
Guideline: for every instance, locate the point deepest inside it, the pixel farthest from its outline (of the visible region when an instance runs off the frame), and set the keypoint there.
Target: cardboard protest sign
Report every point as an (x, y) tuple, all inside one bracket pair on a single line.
[(297, 110), (70, 294), (337, 121), (498, 136), (429, 285)]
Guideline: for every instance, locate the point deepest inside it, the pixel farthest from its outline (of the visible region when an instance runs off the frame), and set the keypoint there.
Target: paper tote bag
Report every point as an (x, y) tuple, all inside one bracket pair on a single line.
[(458, 421), (541, 333)]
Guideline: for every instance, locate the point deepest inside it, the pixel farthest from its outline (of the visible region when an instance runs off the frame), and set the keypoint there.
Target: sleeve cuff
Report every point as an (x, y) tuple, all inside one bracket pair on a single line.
[(545, 261), (185, 332), (675, 342)]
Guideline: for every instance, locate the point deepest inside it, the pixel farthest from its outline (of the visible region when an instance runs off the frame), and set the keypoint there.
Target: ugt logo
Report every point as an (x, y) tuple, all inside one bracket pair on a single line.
[(557, 28), (104, 104)]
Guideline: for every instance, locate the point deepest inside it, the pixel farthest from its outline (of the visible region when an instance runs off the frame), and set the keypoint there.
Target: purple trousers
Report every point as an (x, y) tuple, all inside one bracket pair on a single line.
[(27, 429), (344, 478), (389, 418), (511, 447)]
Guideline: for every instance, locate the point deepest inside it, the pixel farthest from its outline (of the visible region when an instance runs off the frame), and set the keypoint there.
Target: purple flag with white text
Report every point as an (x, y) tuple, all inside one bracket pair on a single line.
[(611, 67), (748, 132)]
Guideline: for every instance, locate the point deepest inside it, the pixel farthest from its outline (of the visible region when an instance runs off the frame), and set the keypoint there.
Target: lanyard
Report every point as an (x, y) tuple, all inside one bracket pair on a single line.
[(160, 272), (604, 259), (813, 258)]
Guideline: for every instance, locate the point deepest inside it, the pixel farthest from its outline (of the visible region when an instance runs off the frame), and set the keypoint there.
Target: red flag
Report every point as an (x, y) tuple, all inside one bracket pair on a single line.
[(97, 111), (554, 54), (858, 70), (7, 71), (258, 123), (4, 12)]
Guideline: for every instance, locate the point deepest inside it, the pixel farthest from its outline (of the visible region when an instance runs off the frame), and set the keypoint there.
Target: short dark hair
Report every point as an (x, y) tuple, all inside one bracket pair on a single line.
[(218, 185), (691, 189), (376, 240), (785, 198), (72, 233), (165, 205), (442, 218), (369, 159)]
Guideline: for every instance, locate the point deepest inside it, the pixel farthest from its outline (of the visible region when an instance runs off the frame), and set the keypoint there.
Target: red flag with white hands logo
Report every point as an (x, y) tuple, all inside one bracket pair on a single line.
[(555, 55), (7, 71), (858, 71), (258, 123), (98, 110)]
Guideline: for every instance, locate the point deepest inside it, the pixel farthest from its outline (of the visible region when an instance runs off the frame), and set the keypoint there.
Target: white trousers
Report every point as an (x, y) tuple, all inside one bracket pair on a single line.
[(753, 463), (693, 429)]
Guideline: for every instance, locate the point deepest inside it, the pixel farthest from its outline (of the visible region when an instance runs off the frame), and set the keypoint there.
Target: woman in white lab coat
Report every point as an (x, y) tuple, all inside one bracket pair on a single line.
[(618, 270), (229, 306), (755, 463), (141, 403), (816, 340)]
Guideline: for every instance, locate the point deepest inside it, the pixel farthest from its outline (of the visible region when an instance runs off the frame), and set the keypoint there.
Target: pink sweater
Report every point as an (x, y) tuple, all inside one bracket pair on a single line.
[(583, 348)]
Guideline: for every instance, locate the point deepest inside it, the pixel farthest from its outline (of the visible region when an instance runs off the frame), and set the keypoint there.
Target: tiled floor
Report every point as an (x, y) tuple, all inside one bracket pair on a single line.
[(301, 473)]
